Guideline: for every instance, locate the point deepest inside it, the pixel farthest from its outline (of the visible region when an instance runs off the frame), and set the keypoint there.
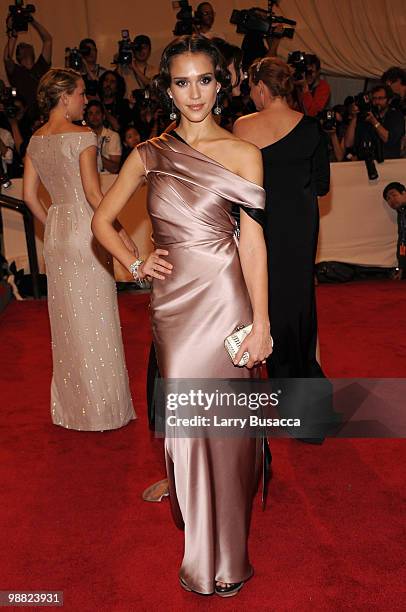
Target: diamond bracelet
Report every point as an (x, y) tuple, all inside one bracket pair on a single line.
[(134, 267)]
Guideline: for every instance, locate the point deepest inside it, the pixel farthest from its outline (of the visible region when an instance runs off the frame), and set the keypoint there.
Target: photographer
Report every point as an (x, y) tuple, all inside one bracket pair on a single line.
[(108, 142), (314, 92), (395, 196), (91, 71), (25, 74), (111, 92), (139, 73), (382, 126), (395, 78), (334, 125), (205, 16)]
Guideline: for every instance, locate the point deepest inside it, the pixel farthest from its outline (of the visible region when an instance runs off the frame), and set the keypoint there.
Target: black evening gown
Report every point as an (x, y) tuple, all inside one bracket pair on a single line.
[(296, 171)]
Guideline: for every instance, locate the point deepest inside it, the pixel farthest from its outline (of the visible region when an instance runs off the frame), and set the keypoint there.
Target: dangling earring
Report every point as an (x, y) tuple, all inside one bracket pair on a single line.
[(217, 108), (173, 115), (67, 116)]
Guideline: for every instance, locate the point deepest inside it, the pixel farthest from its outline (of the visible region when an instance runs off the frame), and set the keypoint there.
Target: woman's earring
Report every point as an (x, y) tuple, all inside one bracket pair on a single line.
[(217, 108), (173, 115)]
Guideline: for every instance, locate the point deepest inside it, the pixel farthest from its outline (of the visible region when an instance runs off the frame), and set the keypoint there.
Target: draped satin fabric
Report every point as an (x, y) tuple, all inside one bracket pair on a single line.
[(212, 481)]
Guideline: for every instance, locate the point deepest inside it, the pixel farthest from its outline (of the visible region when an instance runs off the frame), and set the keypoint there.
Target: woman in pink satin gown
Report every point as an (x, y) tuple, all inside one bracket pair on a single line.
[(203, 287)]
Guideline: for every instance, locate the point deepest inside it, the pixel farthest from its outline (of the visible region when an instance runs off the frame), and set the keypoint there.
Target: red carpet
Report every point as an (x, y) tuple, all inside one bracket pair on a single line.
[(72, 518)]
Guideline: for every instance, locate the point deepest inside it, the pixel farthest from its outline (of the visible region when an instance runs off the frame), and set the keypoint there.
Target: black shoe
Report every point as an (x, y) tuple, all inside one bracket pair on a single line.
[(229, 590)]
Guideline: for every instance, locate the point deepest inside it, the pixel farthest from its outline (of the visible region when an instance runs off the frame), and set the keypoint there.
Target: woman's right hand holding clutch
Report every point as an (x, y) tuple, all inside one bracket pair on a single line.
[(155, 266)]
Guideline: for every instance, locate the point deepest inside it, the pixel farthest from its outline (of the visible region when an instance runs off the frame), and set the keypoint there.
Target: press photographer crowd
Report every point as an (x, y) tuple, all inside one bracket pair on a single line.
[(125, 109)]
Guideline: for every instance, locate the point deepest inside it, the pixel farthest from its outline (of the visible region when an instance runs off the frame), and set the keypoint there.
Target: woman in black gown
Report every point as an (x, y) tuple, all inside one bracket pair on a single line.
[(296, 171)]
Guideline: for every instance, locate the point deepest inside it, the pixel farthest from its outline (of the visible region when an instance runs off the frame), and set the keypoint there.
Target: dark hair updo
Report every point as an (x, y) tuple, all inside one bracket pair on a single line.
[(275, 74), (52, 85), (188, 44)]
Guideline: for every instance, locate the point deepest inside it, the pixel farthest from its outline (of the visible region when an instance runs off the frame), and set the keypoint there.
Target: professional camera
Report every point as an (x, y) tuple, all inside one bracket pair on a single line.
[(186, 20), (297, 59), (125, 49), (21, 15), (364, 103), (73, 59), (74, 56), (7, 99), (262, 22), (328, 119)]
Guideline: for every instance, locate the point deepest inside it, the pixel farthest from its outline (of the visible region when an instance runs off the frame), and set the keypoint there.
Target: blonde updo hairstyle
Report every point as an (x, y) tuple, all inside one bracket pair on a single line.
[(52, 85), (275, 74)]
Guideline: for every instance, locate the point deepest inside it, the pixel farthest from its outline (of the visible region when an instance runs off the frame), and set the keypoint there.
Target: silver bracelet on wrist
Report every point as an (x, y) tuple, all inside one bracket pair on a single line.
[(134, 267)]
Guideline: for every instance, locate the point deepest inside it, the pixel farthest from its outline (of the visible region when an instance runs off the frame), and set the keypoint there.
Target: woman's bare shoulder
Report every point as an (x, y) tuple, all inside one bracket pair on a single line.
[(244, 149), (243, 123), (244, 157), (238, 150)]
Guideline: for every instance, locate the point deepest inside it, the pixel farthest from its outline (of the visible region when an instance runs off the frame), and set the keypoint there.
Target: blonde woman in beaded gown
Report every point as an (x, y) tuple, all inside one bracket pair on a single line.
[(203, 286), (90, 389)]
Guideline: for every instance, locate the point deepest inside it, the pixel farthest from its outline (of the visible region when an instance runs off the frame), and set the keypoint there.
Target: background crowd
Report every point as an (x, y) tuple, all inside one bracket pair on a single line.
[(124, 108)]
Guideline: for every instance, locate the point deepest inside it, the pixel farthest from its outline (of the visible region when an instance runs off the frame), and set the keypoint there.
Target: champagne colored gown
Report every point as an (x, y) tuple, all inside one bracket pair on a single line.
[(90, 389), (212, 481)]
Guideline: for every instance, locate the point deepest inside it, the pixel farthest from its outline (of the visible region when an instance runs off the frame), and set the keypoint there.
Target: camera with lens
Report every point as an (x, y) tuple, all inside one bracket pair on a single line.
[(297, 60), (186, 20), (20, 15), (261, 21), (328, 119), (369, 151), (7, 99), (364, 103), (73, 59), (125, 49)]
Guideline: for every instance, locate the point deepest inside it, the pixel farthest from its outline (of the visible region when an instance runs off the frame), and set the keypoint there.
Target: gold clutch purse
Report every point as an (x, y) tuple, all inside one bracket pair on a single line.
[(233, 343)]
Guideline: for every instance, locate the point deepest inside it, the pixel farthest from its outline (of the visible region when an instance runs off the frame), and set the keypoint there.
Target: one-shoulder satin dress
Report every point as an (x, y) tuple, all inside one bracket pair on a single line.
[(212, 481), (90, 389)]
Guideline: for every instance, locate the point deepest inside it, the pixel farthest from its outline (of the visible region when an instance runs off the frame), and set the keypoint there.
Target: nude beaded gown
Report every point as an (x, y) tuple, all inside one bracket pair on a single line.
[(89, 389), (212, 481)]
